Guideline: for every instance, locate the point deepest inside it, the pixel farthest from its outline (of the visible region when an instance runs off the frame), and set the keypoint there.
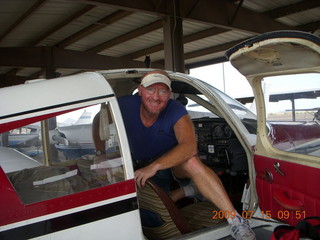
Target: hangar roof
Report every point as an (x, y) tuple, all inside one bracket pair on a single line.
[(71, 36)]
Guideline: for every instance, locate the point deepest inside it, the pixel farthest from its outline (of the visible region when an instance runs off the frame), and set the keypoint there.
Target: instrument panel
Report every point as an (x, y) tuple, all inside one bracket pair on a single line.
[(218, 146)]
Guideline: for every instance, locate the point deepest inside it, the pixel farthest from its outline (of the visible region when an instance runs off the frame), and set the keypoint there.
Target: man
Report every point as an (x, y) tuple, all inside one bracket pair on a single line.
[(163, 145)]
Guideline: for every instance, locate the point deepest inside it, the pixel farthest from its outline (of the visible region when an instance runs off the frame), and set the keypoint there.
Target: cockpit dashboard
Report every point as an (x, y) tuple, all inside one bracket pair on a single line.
[(218, 146)]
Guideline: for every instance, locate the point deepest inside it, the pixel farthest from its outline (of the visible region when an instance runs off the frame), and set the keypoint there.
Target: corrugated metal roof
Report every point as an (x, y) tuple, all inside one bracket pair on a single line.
[(301, 18), (130, 30)]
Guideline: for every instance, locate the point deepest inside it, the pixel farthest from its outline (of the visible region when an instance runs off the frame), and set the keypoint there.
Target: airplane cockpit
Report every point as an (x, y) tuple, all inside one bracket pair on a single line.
[(218, 144)]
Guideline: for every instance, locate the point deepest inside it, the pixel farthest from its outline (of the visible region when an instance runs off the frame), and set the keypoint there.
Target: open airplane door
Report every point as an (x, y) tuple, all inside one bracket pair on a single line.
[(287, 154)]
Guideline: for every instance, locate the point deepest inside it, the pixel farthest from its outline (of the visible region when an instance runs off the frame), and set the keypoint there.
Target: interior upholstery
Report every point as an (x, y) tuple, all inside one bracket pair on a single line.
[(176, 221), (295, 192)]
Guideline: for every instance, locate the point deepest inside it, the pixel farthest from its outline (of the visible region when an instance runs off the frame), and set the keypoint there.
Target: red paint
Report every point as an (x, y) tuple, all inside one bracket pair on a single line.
[(4, 127), (13, 210), (300, 186)]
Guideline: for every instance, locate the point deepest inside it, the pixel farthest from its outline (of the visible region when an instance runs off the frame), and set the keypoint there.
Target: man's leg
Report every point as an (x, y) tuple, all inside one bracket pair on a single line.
[(207, 182), (210, 186)]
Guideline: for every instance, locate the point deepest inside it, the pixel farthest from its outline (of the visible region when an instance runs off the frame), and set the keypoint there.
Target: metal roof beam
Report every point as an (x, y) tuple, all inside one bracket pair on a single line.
[(60, 25), (310, 27), (145, 51), (190, 38), (186, 39), (206, 62), (127, 36), (216, 12), (53, 57), (38, 4), (210, 50), (9, 80), (206, 51), (93, 28), (204, 34), (226, 46), (293, 8)]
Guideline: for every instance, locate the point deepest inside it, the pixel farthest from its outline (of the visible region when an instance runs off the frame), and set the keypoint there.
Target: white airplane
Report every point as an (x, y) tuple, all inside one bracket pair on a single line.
[(260, 165)]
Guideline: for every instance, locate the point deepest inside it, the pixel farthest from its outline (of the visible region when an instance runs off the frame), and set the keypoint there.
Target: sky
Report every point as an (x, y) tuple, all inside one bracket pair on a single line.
[(217, 73)]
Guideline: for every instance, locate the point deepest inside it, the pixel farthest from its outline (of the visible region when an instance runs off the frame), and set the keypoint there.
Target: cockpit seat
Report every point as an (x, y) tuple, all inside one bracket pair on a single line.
[(175, 221)]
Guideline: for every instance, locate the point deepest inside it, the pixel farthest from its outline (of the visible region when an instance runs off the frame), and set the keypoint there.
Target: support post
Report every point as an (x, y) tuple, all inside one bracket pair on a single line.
[(173, 39)]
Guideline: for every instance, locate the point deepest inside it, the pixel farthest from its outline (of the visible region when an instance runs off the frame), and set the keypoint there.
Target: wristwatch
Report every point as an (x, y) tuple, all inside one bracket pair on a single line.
[(99, 152)]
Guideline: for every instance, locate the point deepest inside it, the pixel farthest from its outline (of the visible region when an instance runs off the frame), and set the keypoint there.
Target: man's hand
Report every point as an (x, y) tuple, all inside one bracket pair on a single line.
[(143, 174)]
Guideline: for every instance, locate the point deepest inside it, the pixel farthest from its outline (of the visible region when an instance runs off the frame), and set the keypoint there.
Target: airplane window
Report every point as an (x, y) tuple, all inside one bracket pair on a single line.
[(293, 112), (25, 140), (240, 110), (72, 165), (196, 110)]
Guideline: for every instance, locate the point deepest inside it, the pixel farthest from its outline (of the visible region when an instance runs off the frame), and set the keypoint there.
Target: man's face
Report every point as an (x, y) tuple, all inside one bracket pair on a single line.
[(155, 97)]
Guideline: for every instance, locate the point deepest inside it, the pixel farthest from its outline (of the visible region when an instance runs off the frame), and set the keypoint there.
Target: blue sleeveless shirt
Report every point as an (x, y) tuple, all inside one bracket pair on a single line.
[(150, 142)]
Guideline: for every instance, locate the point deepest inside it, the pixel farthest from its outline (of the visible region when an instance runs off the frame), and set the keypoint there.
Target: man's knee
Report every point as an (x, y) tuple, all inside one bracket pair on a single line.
[(189, 168)]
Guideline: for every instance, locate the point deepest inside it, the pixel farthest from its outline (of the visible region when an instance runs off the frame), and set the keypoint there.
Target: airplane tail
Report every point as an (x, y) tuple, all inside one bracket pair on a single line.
[(84, 118)]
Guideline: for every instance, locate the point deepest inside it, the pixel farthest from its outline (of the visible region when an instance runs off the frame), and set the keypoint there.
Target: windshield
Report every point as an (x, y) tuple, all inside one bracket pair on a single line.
[(240, 110), (197, 108)]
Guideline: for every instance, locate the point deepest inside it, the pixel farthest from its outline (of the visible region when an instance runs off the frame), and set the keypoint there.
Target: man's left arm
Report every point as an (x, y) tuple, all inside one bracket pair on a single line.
[(186, 148)]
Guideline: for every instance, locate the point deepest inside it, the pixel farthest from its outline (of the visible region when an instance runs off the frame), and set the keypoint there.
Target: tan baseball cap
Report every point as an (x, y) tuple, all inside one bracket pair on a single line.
[(153, 78)]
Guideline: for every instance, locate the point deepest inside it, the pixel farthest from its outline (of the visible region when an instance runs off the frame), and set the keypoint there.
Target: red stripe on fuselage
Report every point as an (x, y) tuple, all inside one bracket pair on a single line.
[(13, 210)]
